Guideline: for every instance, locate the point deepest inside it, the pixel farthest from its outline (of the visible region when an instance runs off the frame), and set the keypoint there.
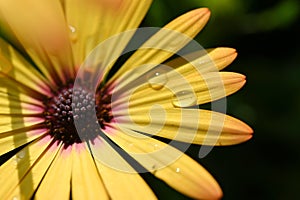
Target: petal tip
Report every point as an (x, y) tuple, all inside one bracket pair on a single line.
[(205, 12), (215, 192)]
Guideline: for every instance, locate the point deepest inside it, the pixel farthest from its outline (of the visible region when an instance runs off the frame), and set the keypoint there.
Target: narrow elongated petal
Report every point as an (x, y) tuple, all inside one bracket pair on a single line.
[(180, 90), (12, 122), (14, 87), (86, 181), (58, 177), (13, 170), (15, 106), (166, 42), (209, 60), (115, 180), (14, 66), (8, 34), (183, 173), (33, 173), (103, 20), (45, 38), (18, 137), (188, 125)]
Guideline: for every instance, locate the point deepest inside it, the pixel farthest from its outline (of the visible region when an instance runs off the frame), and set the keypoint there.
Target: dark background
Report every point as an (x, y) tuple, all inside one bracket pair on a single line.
[(266, 36)]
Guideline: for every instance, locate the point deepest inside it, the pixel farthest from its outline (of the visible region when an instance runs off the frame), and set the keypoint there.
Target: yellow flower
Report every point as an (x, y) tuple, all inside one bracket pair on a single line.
[(47, 108)]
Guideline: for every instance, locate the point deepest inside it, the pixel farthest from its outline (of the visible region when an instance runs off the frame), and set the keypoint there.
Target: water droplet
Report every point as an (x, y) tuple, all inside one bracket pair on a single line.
[(73, 33), (157, 78), (21, 154), (177, 169), (15, 161), (130, 146), (15, 198), (202, 61), (156, 146), (154, 168), (184, 98)]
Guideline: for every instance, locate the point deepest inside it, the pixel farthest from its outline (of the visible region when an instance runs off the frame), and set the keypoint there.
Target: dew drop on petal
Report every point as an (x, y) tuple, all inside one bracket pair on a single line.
[(21, 154), (184, 98), (15, 198), (15, 161), (130, 146), (157, 78), (177, 170), (73, 33), (154, 168), (156, 146)]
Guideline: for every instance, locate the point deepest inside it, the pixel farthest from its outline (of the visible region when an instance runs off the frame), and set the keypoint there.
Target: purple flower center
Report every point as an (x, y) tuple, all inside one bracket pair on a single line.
[(69, 104)]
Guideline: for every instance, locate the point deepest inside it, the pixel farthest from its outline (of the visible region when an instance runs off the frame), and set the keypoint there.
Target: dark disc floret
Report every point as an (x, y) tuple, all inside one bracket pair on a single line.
[(79, 104)]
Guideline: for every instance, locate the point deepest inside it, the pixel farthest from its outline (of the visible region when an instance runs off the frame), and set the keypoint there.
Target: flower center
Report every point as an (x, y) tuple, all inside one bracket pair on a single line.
[(69, 104)]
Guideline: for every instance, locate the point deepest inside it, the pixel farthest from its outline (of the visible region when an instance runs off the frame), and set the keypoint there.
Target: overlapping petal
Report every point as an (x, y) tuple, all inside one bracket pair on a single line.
[(116, 174), (165, 42), (10, 140), (21, 175), (14, 66), (91, 28), (45, 38), (188, 125), (86, 181), (183, 173), (177, 90), (58, 176)]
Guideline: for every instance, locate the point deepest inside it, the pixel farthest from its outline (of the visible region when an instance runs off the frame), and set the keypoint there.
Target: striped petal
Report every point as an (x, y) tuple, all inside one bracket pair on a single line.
[(58, 177), (18, 137), (7, 33), (15, 106), (188, 125), (103, 20), (204, 61), (86, 181), (17, 89), (183, 173), (12, 122), (179, 90), (118, 176), (166, 42), (14, 66), (45, 38), (23, 177)]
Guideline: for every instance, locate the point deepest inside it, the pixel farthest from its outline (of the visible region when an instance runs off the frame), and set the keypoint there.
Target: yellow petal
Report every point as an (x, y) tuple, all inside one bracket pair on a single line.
[(179, 90), (25, 178), (41, 29), (208, 60), (166, 42), (188, 125), (15, 88), (18, 137), (7, 33), (169, 164), (57, 178), (12, 122), (13, 105), (119, 184), (92, 22), (86, 182), (14, 66)]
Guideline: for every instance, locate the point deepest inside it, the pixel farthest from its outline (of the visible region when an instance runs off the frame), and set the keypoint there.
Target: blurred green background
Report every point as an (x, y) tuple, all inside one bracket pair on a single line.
[(266, 36)]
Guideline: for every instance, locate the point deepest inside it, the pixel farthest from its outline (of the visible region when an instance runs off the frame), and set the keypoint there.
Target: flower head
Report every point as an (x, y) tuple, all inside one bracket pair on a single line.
[(81, 130)]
